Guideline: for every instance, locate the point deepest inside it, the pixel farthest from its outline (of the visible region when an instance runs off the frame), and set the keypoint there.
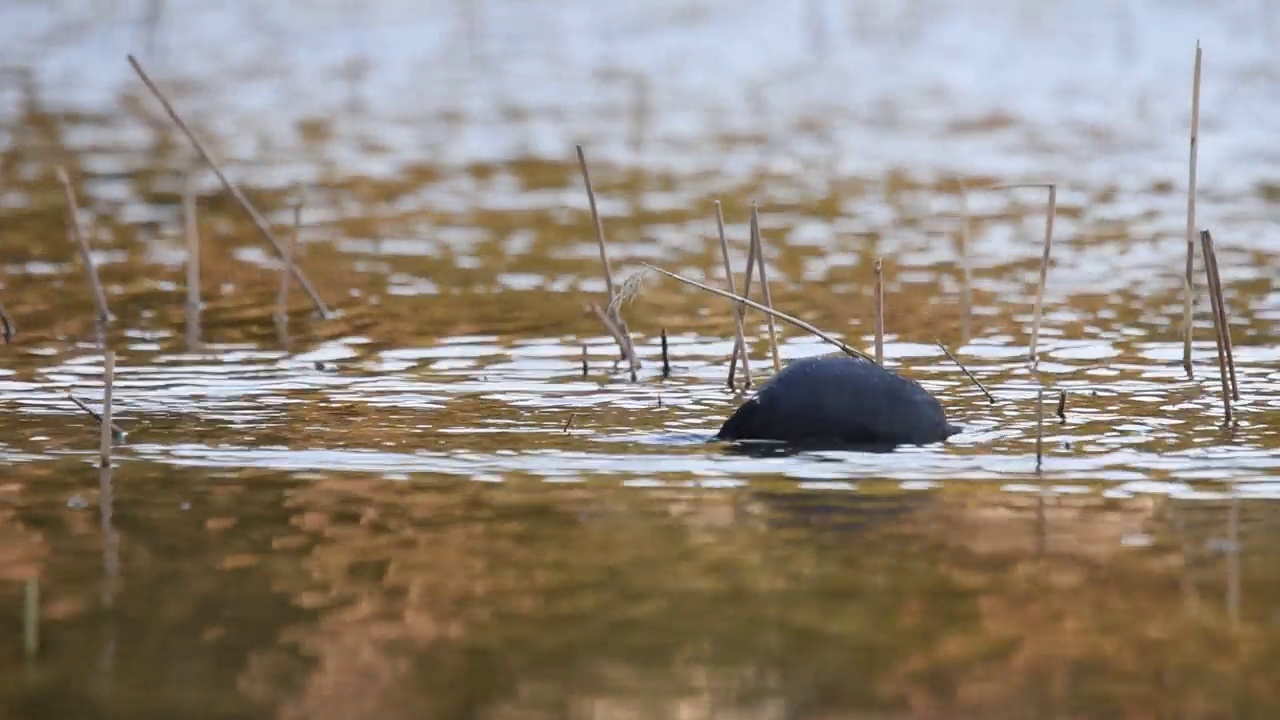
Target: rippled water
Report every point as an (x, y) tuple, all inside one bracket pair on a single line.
[(422, 507)]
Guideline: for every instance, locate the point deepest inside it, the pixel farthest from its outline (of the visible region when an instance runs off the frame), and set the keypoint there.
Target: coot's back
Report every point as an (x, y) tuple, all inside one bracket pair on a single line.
[(843, 400)]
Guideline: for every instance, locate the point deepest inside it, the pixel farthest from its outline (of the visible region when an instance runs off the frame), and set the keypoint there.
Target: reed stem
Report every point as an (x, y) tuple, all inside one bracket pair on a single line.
[(78, 236), (1211, 261), (1219, 326), (1188, 285), (666, 361), (757, 246), (965, 370), (734, 310), (879, 299), (258, 221)]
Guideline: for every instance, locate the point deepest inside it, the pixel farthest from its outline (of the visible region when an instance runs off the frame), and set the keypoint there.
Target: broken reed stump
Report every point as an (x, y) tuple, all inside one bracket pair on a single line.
[(666, 361), (76, 233), (1039, 429), (757, 247), (108, 379), (1211, 267), (258, 221), (1219, 324), (734, 309), (1188, 282), (7, 329)]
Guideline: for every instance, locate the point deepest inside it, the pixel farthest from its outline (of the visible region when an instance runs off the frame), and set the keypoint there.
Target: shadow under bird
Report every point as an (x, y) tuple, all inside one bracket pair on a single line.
[(839, 401)]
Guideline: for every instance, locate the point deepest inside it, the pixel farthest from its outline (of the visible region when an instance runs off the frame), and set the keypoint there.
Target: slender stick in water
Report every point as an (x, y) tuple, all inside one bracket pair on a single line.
[(1188, 283), (77, 235), (6, 327), (1215, 287), (666, 360), (1039, 429), (807, 327), (1051, 213), (568, 422), (1219, 326), (879, 269), (736, 311), (119, 432), (757, 247), (259, 222), (108, 379), (965, 370), (1062, 405), (191, 227), (584, 361)]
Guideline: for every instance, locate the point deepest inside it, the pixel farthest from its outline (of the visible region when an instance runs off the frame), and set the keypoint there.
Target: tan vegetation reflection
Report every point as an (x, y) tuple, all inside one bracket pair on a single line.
[(608, 602)]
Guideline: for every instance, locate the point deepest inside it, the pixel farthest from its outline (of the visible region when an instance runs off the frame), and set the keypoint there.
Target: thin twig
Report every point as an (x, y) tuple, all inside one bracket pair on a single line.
[(879, 298), (108, 380), (736, 309), (1188, 284), (1062, 406), (1039, 429), (1216, 288), (1206, 243), (666, 361), (231, 188), (847, 349), (77, 235), (7, 330), (757, 245), (741, 310), (595, 218), (568, 422), (584, 361), (965, 370)]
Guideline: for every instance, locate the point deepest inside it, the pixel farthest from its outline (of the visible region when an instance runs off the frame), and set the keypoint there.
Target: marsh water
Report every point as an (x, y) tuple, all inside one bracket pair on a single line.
[(422, 507)]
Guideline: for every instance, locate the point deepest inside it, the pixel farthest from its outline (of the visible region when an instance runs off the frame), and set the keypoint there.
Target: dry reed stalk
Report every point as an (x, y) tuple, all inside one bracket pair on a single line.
[(259, 222), (1211, 262), (1039, 429), (1188, 283), (77, 235), (757, 247), (966, 274), (965, 370), (879, 298), (666, 360), (807, 327), (568, 423), (619, 335), (1219, 326), (1062, 405), (7, 329), (736, 311), (282, 297), (1051, 213), (741, 310), (191, 228), (108, 380), (595, 219)]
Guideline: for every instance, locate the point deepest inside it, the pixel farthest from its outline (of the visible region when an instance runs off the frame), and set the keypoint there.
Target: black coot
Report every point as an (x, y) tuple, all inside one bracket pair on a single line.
[(840, 401)]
